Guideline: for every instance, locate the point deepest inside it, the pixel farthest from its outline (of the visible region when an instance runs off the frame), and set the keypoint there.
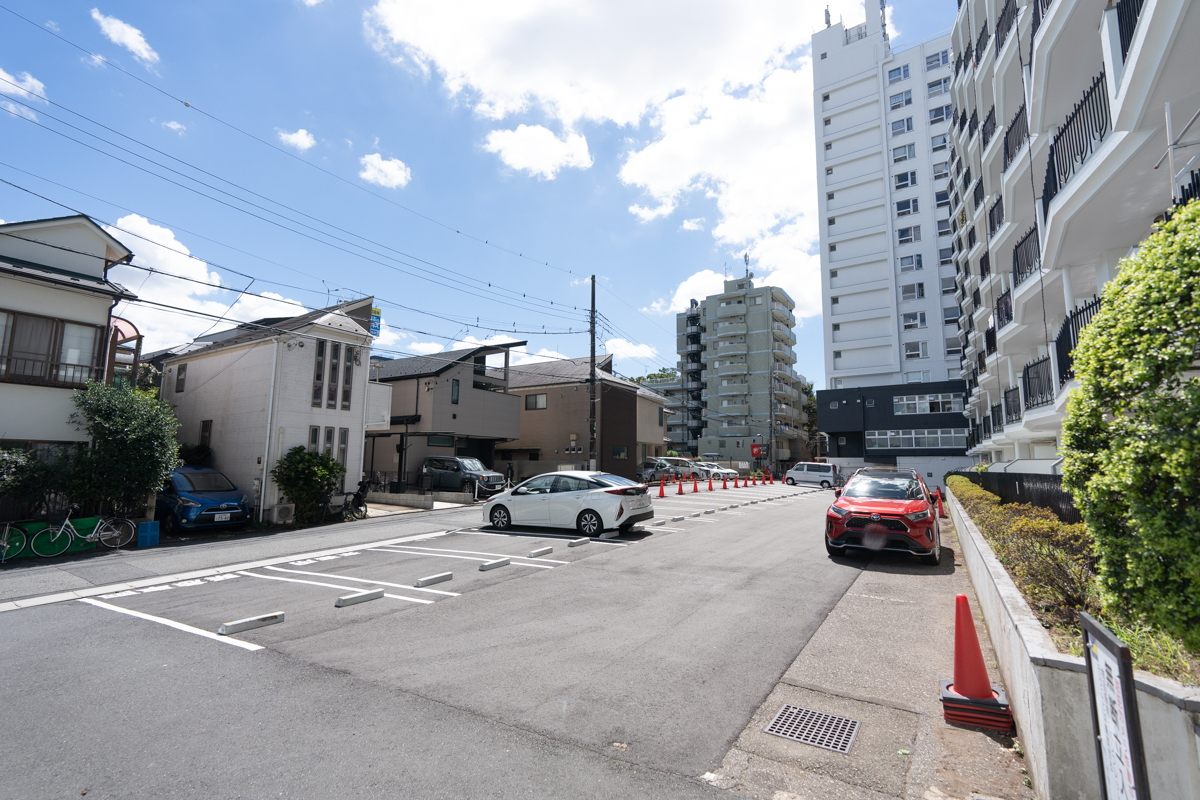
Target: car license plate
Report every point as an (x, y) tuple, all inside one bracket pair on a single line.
[(220, 518), (640, 502)]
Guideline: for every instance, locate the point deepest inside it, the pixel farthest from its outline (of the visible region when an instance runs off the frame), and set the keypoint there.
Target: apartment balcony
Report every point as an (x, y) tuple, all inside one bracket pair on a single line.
[(693, 330), (1068, 337), (1004, 309), (693, 385), (732, 430), (731, 329), (730, 349), (1027, 256), (783, 333), (1015, 137), (731, 310), (1004, 24), (782, 313), (989, 128), (989, 342), (995, 217), (784, 351), (1128, 12), (733, 408), (981, 42), (732, 388), (695, 424), (783, 390), (1037, 383), (736, 368), (695, 347), (1012, 406), (987, 428), (997, 418), (1079, 137)]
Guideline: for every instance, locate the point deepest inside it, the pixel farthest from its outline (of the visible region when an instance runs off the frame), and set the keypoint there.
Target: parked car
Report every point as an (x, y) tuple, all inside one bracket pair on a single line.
[(823, 475), (668, 467), (458, 474), (714, 471), (198, 497), (589, 502), (888, 510)]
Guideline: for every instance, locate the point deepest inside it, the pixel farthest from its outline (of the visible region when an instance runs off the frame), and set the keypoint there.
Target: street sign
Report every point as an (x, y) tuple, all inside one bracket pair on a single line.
[(755, 450), (1115, 721), (375, 315)]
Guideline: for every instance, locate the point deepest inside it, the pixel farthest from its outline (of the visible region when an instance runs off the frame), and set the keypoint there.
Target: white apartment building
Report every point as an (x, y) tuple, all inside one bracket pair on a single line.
[(882, 132), (1064, 109)]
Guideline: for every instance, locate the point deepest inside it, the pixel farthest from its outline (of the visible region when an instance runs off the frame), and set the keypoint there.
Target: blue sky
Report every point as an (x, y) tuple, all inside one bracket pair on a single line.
[(650, 144)]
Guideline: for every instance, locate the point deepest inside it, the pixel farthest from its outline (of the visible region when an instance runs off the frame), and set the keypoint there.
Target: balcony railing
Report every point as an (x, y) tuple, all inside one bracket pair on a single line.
[(978, 195), (1012, 406), (968, 56), (1068, 337), (973, 124), (1040, 9), (976, 301), (1004, 23), (1128, 12), (1015, 137), (1027, 256), (971, 238), (1037, 382), (987, 427), (1004, 309), (989, 126), (997, 414), (856, 33), (981, 42), (45, 373), (985, 266), (995, 216), (981, 363), (1079, 137), (989, 340)]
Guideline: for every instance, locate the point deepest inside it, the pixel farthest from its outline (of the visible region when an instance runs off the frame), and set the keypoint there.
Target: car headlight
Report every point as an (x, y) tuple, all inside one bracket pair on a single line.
[(841, 512), (188, 503), (919, 515)]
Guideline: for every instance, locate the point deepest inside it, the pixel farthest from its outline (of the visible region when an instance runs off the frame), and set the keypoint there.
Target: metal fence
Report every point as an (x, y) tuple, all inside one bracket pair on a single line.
[(1043, 491)]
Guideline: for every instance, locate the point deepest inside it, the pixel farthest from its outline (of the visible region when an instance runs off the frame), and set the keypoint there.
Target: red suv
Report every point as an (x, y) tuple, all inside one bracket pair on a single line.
[(885, 509)]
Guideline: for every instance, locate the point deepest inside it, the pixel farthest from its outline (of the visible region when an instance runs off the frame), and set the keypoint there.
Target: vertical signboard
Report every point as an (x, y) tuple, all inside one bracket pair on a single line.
[(1115, 721), (375, 315)]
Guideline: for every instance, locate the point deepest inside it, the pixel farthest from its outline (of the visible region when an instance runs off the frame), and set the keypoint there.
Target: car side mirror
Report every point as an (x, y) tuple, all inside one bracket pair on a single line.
[(520, 490), (837, 492)]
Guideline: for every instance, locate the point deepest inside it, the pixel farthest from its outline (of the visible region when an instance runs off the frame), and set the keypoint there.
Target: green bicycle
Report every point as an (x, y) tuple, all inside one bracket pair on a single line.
[(109, 531)]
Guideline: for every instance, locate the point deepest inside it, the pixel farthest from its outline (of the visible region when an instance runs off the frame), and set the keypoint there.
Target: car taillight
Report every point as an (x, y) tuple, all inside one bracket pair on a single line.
[(628, 490)]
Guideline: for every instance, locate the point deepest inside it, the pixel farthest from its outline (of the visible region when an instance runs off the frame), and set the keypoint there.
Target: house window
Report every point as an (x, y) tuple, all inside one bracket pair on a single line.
[(928, 438), (917, 377), (941, 170), (940, 86), (833, 273), (829, 195), (939, 59), (870, 402), (454, 391), (916, 350), (833, 301), (620, 451), (912, 291), (941, 199), (823, 57), (914, 320), (950, 315), (833, 248), (319, 375), (948, 286), (943, 227), (314, 438), (946, 256), (824, 97), (945, 403), (534, 402), (908, 235), (953, 346), (328, 450), (335, 351), (180, 377), (36, 349), (939, 142), (829, 170), (841, 440), (442, 441), (347, 375), (902, 126), (903, 153), (911, 263), (828, 120), (906, 207), (837, 353), (901, 99), (343, 443), (941, 114), (898, 74), (906, 179), (832, 220), (206, 433), (829, 145), (661, 417), (833, 404), (837, 326)]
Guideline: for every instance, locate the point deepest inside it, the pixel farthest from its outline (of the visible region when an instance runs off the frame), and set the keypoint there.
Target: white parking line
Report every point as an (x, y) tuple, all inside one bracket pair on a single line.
[(477, 553), (364, 580), (447, 555), (170, 623), (330, 586), (544, 535)]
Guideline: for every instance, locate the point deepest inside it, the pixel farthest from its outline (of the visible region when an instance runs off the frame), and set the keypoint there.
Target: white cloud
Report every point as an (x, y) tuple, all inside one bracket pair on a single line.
[(538, 150), (623, 349), (301, 139), (424, 348), (717, 97), (52, 25), (311, 3), (127, 36), (521, 356), (389, 173), (163, 327), (178, 127), (695, 224), (25, 88), (697, 286)]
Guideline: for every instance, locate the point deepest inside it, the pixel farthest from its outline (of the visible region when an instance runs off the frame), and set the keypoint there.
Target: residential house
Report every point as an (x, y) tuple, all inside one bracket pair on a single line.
[(57, 331), (255, 395), (443, 404), (630, 419)]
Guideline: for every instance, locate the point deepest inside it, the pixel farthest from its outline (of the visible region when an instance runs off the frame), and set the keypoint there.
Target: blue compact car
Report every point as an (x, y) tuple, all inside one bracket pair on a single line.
[(198, 497)]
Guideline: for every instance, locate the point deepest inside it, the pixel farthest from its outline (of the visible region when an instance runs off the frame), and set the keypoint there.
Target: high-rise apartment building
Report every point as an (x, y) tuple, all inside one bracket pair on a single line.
[(736, 381), (1061, 165), (893, 392)]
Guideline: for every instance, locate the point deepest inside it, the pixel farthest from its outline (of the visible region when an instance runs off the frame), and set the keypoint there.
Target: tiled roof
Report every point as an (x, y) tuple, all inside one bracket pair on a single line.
[(434, 363)]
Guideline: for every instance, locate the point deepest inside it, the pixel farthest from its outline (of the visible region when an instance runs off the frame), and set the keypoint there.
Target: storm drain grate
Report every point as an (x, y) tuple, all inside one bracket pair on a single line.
[(813, 727)]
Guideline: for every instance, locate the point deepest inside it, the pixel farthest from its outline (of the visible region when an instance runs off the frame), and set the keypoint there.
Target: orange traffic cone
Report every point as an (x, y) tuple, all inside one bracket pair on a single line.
[(724, 481), (661, 487), (753, 480), (970, 699), (680, 486), (941, 508), (710, 487), (695, 484)]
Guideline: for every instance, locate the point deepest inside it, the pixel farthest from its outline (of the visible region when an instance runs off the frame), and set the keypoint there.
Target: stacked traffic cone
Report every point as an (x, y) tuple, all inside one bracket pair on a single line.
[(695, 484), (680, 486), (970, 699), (710, 487), (662, 487), (724, 481), (754, 480)]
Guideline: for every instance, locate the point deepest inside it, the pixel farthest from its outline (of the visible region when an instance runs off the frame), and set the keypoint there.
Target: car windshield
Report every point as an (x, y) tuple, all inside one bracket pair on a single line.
[(899, 487), (473, 464), (614, 480), (206, 482)]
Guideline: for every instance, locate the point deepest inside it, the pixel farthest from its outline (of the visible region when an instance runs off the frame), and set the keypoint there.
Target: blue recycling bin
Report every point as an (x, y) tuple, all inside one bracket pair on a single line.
[(147, 534)]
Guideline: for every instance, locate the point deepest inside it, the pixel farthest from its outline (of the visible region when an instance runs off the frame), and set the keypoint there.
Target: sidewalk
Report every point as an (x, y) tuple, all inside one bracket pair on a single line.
[(878, 658)]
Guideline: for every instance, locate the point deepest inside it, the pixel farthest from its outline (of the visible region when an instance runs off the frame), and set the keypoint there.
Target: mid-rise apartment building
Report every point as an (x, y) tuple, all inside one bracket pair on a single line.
[(1063, 112), (890, 318), (737, 392)]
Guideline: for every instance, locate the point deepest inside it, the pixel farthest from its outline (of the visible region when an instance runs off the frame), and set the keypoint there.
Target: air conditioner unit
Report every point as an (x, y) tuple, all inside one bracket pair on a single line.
[(283, 513)]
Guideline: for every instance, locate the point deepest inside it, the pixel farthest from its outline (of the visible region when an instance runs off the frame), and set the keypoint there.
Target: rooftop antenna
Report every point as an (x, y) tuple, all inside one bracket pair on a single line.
[(746, 259), (827, 20), (883, 18)]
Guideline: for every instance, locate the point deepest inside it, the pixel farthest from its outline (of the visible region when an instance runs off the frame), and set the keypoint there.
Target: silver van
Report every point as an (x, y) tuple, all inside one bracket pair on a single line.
[(824, 475)]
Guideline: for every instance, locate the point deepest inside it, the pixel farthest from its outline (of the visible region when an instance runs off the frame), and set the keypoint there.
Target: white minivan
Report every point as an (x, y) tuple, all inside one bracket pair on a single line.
[(824, 475)]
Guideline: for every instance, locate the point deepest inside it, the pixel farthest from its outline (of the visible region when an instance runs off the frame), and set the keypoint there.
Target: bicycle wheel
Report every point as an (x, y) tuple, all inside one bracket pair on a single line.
[(50, 542), (12, 542), (358, 512), (116, 532)]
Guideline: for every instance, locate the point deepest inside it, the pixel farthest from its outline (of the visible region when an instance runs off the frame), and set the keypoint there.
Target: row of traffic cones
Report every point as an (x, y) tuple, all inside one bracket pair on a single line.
[(750, 481)]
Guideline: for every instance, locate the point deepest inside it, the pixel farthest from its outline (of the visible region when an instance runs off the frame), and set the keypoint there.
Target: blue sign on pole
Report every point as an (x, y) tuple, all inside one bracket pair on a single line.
[(375, 314)]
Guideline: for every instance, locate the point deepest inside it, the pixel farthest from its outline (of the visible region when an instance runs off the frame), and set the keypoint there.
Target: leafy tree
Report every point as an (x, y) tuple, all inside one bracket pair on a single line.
[(196, 455), (666, 373), (133, 446), (1131, 438), (306, 478), (810, 407), (27, 480)]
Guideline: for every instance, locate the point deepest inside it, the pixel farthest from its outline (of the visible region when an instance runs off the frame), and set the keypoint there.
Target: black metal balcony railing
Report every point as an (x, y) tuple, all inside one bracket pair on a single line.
[(970, 324), (1015, 137), (1128, 12), (978, 195), (46, 373), (981, 363), (968, 56), (997, 415), (1068, 337), (958, 60), (1012, 406), (1004, 23), (987, 427), (985, 266), (1081, 134), (1040, 8), (1027, 256), (966, 181), (995, 216), (1190, 190), (976, 301), (973, 124), (989, 127), (981, 42), (989, 340), (1004, 309), (1037, 383)]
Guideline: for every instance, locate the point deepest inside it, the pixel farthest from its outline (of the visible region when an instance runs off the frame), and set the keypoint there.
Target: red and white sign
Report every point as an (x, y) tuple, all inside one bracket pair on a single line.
[(755, 450)]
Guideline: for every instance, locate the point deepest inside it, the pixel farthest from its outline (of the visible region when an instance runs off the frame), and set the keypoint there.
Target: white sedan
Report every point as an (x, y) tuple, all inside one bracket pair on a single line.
[(589, 502), (715, 471)]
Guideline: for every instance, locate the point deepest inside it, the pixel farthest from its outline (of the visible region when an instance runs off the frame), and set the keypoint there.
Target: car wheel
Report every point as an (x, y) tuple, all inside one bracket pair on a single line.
[(589, 523), (824, 484), (167, 525), (833, 550), (500, 518), (791, 481), (935, 557)]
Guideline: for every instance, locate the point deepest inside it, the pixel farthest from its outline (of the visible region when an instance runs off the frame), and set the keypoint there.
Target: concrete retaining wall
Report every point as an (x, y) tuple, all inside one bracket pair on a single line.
[(1049, 694)]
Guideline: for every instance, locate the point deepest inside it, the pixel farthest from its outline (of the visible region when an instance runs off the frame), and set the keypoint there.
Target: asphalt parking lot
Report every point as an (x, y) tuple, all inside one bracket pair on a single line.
[(622, 667)]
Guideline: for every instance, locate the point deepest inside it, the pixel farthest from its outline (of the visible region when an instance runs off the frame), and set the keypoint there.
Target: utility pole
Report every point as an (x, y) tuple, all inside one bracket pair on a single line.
[(592, 385), (771, 415)]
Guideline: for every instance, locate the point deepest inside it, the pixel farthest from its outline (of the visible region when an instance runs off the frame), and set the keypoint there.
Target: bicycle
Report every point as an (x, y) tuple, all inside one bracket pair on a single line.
[(354, 504), (12, 541), (111, 532)]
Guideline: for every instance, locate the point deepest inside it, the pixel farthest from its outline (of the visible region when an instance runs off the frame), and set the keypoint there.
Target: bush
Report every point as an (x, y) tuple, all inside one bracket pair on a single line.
[(306, 478), (196, 455), (1131, 437)]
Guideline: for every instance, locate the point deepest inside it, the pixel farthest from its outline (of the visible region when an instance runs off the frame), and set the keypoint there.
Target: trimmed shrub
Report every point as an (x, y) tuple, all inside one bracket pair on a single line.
[(306, 478)]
